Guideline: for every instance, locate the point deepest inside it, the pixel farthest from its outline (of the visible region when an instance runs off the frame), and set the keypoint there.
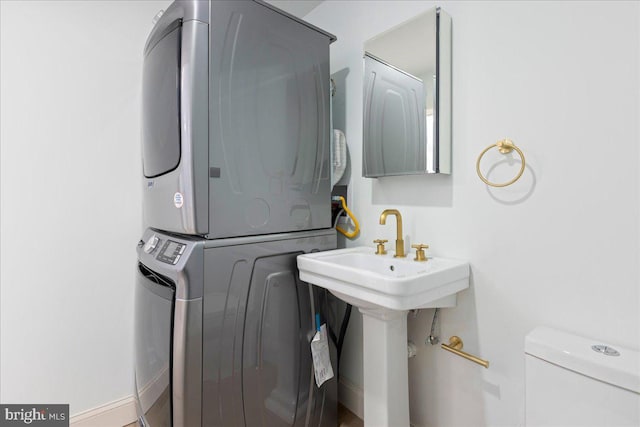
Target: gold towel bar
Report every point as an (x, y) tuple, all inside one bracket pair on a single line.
[(455, 346), (505, 146)]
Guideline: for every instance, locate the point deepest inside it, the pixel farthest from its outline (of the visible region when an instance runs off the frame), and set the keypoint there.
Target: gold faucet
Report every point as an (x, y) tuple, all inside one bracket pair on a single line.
[(399, 240)]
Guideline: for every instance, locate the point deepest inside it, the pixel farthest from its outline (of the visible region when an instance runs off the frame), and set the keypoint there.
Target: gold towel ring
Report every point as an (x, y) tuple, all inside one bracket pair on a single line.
[(505, 146)]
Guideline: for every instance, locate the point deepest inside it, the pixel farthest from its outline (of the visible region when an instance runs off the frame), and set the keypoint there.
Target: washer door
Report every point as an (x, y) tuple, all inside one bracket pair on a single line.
[(154, 309)]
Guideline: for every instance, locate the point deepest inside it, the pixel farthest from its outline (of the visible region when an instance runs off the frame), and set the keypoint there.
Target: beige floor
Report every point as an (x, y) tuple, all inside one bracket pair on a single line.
[(346, 418)]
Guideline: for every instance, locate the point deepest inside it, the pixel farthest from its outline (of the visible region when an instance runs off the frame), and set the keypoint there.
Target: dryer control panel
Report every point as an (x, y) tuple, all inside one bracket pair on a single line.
[(171, 252)]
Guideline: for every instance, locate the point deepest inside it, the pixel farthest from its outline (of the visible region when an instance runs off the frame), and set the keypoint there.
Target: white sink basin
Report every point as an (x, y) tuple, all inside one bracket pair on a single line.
[(384, 288), (366, 280)]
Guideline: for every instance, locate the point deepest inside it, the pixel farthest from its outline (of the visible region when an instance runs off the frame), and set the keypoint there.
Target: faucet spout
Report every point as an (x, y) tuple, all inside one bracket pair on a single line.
[(399, 240)]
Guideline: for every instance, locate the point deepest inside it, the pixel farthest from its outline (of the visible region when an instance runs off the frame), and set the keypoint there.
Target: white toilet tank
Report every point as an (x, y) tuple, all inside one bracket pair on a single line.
[(570, 384)]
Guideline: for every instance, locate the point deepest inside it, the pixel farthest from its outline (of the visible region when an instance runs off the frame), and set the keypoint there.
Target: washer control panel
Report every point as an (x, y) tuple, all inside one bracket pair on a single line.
[(171, 252)]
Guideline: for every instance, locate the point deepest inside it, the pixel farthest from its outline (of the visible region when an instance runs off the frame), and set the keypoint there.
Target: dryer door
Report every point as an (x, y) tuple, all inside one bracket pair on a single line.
[(154, 308), (161, 105)]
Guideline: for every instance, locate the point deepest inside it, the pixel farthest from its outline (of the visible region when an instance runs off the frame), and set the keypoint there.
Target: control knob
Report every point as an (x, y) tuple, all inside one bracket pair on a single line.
[(151, 244)]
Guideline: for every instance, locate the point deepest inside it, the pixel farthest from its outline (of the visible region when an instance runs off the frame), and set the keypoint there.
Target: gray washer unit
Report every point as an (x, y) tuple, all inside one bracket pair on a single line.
[(236, 121), (223, 331)]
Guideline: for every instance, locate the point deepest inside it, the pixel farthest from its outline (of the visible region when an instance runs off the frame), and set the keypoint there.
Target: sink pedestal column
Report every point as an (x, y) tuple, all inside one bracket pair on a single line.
[(386, 375)]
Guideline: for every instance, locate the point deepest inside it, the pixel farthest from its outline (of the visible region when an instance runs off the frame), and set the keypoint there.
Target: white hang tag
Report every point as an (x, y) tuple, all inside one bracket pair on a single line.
[(321, 358)]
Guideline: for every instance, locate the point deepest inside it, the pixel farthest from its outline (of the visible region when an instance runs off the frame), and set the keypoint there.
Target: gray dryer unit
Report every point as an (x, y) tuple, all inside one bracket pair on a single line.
[(222, 332), (236, 121)]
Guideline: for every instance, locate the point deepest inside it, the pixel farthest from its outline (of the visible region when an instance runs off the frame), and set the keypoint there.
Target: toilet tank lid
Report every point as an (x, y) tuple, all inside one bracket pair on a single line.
[(575, 353)]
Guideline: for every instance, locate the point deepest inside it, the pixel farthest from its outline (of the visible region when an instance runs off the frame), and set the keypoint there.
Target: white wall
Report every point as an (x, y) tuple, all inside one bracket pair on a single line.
[(558, 248), (71, 199), (560, 79)]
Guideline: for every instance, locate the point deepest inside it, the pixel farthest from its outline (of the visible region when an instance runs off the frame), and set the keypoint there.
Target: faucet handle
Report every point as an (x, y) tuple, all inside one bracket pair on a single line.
[(420, 255), (380, 248)]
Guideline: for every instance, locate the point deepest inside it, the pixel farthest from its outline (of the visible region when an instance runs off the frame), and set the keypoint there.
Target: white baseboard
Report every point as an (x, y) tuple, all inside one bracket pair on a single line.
[(118, 413), (122, 412), (351, 396)]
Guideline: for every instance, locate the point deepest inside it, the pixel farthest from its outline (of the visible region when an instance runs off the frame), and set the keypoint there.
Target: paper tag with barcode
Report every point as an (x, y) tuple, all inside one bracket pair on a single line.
[(321, 358)]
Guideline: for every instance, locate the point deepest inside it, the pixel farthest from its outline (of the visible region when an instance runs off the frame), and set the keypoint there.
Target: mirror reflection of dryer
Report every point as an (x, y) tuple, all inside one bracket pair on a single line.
[(400, 115), (394, 106)]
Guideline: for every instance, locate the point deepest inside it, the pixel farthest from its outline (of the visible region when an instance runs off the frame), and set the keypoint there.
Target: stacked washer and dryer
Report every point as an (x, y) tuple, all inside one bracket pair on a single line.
[(237, 183)]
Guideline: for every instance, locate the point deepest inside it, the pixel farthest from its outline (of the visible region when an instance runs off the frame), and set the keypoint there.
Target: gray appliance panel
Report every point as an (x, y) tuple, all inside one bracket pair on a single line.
[(236, 303), (187, 363), (182, 10), (177, 199), (254, 128), (168, 331), (258, 324), (154, 302), (269, 115)]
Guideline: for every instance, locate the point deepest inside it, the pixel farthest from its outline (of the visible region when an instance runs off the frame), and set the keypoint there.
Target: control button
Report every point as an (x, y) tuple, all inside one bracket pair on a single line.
[(606, 350), (182, 248), (175, 260), (151, 244)]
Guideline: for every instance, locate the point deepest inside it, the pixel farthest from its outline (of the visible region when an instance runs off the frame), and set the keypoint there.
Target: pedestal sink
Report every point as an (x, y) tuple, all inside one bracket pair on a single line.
[(384, 288)]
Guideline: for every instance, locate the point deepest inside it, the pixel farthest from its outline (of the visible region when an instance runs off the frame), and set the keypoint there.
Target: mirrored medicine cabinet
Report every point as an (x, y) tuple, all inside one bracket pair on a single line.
[(407, 98)]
